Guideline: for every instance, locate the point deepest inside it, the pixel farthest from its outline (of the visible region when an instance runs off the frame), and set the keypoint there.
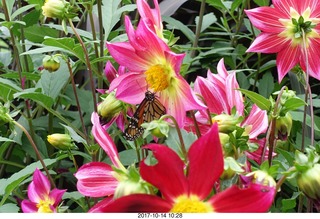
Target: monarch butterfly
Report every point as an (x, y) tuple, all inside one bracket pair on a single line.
[(149, 109)]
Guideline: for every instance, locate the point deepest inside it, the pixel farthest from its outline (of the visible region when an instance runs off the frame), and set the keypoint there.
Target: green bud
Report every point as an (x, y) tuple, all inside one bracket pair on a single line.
[(51, 63), (262, 178), (4, 114), (283, 126), (157, 128), (110, 107), (309, 182), (61, 141), (128, 187), (226, 123), (60, 9)]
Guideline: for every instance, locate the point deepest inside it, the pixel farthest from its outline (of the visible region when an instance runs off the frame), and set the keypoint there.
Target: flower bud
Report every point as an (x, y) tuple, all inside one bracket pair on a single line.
[(51, 63), (309, 182), (262, 178), (226, 123), (283, 126), (61, 141), (157, 128), (60, 9), (231, 167), (128, 187), (110, 107)]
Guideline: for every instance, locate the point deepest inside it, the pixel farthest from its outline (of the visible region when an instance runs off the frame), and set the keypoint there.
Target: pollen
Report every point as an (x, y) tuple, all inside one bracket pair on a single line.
[(191, 204), (44, 206), (158, 77)]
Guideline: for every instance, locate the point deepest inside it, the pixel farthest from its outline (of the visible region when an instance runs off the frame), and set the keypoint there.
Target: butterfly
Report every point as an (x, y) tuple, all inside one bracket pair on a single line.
[(149, 109)]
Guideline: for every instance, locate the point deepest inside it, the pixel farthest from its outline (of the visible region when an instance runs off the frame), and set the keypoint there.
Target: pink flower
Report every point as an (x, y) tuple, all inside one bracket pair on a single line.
[(41, 198), (97, 179), (187, 188), (222, 97), (283, 27), (152, 17), (151, 66)]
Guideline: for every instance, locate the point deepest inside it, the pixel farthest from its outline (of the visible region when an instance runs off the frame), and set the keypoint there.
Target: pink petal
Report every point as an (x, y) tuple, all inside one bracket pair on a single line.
[(175, 60), (313, 56), (286, 60), (234, 96), (254, 199), (131, 87), (205, 163), (110, 71), (96, 179), (152, 16), (39, 188), (56, 195), (133, 203), (267, 19), (28, 207), (125, 55), (104, 139), (258, 119), (268, 43), (168, 174)]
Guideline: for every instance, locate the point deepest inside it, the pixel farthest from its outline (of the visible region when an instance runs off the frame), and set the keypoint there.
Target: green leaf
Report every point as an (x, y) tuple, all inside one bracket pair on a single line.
[(266, 85), (21, 10), (262, 2), (37, 34), (10, 184), (77, 138), (10, 84), (217, 4), (208, 19), (6, 139), (258, 99), (235, 5), (38, 97), (177, 25), (293, 104), (81, 32), (9, 208), (52, 83)]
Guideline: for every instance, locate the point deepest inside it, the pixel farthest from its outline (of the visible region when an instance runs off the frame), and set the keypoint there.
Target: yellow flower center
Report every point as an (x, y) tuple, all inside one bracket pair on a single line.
[(158, 77), (190, 204), (291, 28), (44, 206)]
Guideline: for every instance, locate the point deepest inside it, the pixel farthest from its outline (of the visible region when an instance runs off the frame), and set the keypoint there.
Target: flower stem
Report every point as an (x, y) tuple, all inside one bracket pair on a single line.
[(36, 151), (92, 85)]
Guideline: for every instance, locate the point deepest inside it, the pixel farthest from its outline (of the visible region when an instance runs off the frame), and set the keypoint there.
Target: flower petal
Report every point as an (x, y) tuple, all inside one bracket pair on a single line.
[(286, 60), (133, 203), (267, 19), (234, 96), (313, 56), (39, 188), (28, 207), (268, 43), (104, 139), (168, 174), (56, 195), (95, 179), (205, 163), (256, 199)]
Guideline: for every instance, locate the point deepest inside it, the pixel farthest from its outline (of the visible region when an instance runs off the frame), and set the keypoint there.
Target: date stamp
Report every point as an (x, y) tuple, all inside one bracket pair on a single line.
[(159, 215)]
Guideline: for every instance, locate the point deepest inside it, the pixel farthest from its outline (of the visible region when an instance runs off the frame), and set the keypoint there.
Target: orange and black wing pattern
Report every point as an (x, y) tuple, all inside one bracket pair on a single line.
[(149, 109)]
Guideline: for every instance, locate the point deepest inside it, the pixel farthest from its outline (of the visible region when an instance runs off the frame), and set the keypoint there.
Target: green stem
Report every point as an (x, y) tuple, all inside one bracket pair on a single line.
[(77, 100), (36, 151), (182, 145), (198, 29), (92, 85)]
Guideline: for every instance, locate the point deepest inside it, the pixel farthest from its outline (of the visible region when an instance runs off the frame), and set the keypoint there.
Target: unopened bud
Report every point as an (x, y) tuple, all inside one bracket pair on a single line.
[(60, 9), (309, 182), (262, 178), (157, 128), (226, 123), (51, 63), (283, 126), (110, 107), (61, 141)]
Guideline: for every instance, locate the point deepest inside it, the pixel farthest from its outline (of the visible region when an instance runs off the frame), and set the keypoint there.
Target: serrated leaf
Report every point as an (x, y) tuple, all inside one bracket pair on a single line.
[(258, 99)]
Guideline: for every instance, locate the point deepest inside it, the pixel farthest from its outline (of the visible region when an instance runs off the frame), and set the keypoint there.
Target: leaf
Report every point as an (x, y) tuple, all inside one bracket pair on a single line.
[(293, 104), (177, 25), (37, 34), (235, 5), (52, 83), (208, 19), (81, 32), (6, 139), (169, 7), (8, 185), (21, 10), (9, 208), (10, 84), (266, 85), (38, 97), (259, 100), (217, 4), (77, 138), (262, 2)]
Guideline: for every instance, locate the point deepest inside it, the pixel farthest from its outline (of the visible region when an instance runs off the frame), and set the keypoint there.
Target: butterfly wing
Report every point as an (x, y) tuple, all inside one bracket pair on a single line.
[(149, 109)]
